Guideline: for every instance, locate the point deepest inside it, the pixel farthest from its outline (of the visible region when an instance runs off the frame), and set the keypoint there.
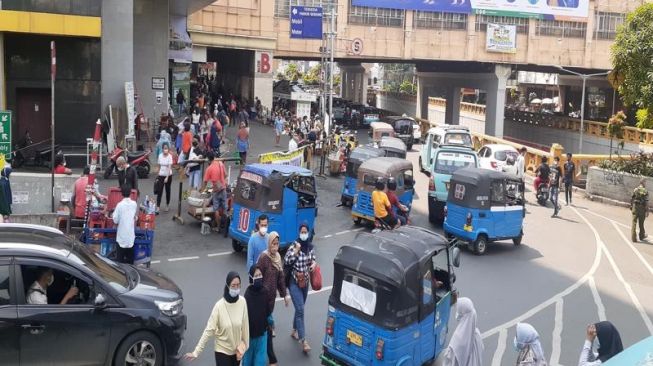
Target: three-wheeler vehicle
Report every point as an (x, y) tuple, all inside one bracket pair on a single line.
[(285, 193), (391, 299), (485, 206), (401, 170), (403, 128), (393, 147), (354, 161), (379, 130)]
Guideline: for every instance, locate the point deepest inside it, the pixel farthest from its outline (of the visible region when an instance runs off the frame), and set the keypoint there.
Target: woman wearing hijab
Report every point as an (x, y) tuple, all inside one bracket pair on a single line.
[(466, 346), (164, 138), (301, 258), (608, 344), (5, 192), (229, 324), (258, 311), (271, 266), (527, 343)]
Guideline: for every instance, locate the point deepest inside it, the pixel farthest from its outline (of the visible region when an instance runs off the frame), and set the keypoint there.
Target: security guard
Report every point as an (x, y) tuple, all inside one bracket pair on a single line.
[(639, 207)]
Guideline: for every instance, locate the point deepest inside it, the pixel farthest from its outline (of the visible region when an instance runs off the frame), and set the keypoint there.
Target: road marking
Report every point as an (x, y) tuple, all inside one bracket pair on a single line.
[(327, 236), (342, 232), (556, 342), (501, 347), (155, 262), (597, 299), (637, 252), (182, 259), (607, 218), (358, 229), (218, 254), (311, 292)]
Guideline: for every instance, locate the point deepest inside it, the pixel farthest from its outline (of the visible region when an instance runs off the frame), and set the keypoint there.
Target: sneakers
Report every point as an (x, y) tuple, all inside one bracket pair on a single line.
[(305, 347), (167, 208)]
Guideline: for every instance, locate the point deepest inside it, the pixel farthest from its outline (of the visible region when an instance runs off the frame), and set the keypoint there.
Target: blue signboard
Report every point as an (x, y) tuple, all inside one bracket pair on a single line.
[(445, 6), (306, 22)]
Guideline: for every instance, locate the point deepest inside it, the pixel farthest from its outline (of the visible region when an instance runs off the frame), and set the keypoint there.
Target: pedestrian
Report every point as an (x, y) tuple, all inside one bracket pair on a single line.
[(164, 138), (300, 258), (215, 133), (510, 166), (124, 217), (215, 174), (521, 162), (242, 143), (258, 311), (181, 101), (278, 129), (271, 265), (186, 140), (60, 165), (127, 175), (164, 178), (527, 344), (608, 344), (194, 169), (258, 241), (205, 124), (244, 116), (292, 144), (5, 192), (570, 173), (195, 121), (80, 196), (639, 209), (229, 324), (466, 346), (556, 173)]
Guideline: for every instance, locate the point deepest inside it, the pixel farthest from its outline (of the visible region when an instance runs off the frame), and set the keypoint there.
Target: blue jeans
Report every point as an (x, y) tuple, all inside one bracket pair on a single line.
[(555, 190), (195, 179), (257, 353), (298, 296)]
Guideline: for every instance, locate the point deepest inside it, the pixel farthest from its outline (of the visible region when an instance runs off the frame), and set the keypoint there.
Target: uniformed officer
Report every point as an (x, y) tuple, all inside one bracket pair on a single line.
[(639, 207)]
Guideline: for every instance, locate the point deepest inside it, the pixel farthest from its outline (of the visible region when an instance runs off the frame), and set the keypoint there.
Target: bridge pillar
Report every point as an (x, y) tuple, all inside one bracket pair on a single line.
[(422, 108), (496, 100), (452, 111), (352, 79)]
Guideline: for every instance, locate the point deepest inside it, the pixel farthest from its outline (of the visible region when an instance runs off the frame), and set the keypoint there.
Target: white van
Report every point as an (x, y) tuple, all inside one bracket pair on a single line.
[(453, 135)]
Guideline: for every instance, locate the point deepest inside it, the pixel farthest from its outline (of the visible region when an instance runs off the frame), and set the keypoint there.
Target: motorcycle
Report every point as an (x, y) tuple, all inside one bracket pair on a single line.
[(542, 194), (27, 152), (139, 160)]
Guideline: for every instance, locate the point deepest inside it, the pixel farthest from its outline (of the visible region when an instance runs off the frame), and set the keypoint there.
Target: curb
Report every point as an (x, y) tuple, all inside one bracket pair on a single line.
[(593, 198)]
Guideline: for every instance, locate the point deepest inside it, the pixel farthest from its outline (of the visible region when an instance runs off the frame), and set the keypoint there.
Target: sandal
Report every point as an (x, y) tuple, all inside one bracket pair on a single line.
[(294, 335), (306, 347)]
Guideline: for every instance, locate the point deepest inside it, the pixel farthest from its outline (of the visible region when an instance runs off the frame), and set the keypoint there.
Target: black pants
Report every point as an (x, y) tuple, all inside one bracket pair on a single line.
[(569, 188), (272, 358), (166, 187), (125, 255), (225, 360), (243, 157)]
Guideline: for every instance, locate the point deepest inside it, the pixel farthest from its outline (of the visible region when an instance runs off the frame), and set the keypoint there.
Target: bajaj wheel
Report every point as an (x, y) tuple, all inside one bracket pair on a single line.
[(518, 239), (358, 221), (480, 245), (143, 169), (227, 222), (236, 246), (140, 348)]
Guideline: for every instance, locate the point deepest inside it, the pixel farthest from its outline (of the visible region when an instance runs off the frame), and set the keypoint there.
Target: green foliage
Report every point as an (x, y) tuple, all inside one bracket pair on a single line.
[(407, 87), (644, 119), (632, 52), (616, 125), (292, 73), (312, 77), (638, 164), (336, 80)]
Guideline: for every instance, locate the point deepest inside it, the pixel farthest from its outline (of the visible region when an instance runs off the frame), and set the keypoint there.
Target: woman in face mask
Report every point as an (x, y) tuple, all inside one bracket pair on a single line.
[(301, 259), (466, 346), (229, 324), (608, 344), (259, 311), (527, 344)]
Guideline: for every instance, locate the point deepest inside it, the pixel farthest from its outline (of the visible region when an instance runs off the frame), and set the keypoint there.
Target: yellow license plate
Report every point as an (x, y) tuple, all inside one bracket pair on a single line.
[(468, 228), (355, 338)]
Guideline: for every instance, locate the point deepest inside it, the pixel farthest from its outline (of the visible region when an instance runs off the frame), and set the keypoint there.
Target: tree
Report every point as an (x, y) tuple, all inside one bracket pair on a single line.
[(616, 128), (407, 87), (292, 73), (632, 52), (312, 77)]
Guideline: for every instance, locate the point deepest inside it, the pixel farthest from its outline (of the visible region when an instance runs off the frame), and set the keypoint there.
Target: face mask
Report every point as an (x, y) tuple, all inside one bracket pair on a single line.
[(303, 236), (263, 230), (51, 280), (234, 292), (515, 345), (258, 282)]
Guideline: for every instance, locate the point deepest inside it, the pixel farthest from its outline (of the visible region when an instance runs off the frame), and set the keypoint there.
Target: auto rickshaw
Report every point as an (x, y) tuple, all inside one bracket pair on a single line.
[(355, 159), (391, 299), (380, 129), (485, 206), (403, 128), (285, 193), (399, 169), (393, 147)]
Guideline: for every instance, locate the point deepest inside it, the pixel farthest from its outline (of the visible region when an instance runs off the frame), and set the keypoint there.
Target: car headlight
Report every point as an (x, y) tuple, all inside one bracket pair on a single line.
[(170, 308)]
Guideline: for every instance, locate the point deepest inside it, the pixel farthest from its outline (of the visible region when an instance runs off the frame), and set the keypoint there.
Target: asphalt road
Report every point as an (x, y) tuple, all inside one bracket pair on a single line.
[(569, 272)]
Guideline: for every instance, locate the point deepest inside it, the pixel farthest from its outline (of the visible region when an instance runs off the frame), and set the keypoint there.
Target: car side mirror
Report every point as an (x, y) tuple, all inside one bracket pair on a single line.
[(456, 257), (100, 302)]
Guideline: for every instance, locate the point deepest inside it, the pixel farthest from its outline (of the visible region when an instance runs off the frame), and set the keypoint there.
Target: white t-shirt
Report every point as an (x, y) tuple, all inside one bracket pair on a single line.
[(124, 217), (165, 165), (37, 295), (292, 145)]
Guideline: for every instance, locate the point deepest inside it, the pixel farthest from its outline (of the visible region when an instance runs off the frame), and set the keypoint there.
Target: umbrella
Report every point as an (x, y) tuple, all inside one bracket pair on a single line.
[(536, 101), (547, 101)]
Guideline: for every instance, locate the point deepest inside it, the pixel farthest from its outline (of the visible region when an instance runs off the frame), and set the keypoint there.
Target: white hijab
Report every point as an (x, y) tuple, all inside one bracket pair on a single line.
[(466, 345), (528, 336)]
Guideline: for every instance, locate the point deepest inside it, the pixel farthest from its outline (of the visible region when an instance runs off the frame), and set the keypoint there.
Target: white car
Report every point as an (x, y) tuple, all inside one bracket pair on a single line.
[(417, 132), (494, 156)]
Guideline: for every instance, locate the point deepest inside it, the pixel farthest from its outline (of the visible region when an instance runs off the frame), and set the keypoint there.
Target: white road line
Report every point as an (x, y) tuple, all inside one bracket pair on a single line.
[(561, 294), (556, 342), (342, 232), (358, 229), (501, 347), (634, 249), (607, 218), (155, 262), (218, 254), (327, 236), (312, 292), (182, 259), (597, 299)]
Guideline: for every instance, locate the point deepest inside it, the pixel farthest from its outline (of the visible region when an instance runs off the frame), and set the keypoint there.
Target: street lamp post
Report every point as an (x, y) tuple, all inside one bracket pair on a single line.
[(584, 77)]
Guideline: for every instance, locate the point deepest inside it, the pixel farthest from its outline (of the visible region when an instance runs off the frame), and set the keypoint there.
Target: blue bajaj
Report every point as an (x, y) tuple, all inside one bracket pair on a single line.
[(354, 161), (285, 193), (401, 170), (391, 299), (485, 206)]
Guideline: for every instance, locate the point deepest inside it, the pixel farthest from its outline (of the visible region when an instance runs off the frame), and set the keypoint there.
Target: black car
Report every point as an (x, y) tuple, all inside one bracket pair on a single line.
[(121, 315), (403, 127)]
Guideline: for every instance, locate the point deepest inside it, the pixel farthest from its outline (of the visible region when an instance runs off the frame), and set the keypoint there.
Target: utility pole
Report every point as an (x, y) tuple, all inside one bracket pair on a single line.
[(332, 36), (53, 75)]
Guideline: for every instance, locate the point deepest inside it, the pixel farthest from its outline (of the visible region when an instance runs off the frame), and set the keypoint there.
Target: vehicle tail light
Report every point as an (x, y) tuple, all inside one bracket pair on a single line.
[(469, 218), (494, 164), (379, 349), (431, 185), (446, 210), (329, 325)]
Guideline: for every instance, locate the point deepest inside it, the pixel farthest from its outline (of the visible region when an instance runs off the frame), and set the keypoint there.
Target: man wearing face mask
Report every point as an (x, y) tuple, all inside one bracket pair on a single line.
[(126, 174), (38, 292), (258, 242)]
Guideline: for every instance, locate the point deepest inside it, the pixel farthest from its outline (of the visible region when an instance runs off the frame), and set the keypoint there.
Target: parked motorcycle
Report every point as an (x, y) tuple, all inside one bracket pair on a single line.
[(27, 152), (139, 160), (542, 194)]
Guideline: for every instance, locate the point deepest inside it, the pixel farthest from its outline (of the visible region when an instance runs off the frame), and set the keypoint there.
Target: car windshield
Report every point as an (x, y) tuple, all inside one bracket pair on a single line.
[(103, 267), (447, 162), (502, 155), (458, 138)]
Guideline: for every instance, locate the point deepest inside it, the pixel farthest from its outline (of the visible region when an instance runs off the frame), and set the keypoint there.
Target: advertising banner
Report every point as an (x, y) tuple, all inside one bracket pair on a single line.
[(306, 22), (295, 158), (541, 9), (181, 46), (445, 6), (501, 38)]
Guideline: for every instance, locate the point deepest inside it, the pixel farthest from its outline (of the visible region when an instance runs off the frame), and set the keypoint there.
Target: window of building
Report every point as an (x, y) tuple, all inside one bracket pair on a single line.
[(483, 20), (607, 24), (562, 29), (438, 20), (282, 7), (376, 16)]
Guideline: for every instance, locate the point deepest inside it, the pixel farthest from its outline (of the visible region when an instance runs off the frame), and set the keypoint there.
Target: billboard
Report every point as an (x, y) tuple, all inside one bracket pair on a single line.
[(501, 38), (445, 6)]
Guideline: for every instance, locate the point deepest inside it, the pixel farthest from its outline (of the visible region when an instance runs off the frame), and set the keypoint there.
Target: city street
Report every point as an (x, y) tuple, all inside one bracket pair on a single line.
[(570, 271)]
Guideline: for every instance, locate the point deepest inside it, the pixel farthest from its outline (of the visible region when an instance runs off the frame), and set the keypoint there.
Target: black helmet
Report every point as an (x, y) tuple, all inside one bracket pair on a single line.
[(380, 183), (392, 184)]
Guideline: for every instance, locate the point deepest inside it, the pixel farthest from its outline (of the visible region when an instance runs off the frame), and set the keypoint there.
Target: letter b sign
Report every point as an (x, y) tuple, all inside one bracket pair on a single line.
[(264, 62)]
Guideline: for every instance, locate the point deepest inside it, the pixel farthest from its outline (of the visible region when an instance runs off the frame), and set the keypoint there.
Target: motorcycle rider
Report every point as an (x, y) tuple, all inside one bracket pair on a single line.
[(542, 172)]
